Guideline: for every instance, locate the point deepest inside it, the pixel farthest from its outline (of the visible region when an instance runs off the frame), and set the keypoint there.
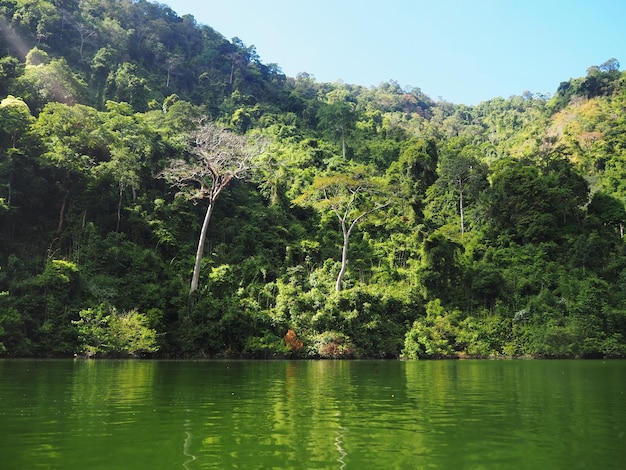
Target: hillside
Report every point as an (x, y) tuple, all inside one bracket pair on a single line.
[(369, 222)]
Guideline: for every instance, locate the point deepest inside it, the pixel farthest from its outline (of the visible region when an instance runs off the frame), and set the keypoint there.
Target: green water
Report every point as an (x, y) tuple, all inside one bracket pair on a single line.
[(329, 414)]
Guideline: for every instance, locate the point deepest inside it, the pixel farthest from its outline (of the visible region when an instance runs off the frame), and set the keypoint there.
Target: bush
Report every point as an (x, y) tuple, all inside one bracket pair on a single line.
[(433, 337), (265, 347), (47, 304), (331, 345), (105, 331)]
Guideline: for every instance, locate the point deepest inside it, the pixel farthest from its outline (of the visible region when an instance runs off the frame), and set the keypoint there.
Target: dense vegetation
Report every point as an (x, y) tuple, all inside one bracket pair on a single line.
[(376, 223)]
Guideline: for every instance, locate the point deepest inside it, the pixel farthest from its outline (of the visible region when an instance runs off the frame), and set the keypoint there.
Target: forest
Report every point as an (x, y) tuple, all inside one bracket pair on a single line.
[(164, 193)]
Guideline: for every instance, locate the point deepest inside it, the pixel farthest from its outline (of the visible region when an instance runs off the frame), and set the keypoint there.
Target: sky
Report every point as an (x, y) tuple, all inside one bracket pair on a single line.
[(461, 51)]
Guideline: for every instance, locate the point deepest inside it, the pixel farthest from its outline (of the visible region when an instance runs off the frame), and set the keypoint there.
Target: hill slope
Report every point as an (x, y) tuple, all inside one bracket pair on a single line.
[(377, 223)]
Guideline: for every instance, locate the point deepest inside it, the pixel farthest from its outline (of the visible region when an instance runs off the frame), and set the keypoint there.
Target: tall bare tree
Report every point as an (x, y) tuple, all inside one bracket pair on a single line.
[(216, 157)]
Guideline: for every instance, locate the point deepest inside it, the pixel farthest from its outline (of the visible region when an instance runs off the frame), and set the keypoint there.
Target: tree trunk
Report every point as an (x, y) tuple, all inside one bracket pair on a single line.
[(461, 212), (343, 143), (200, 251), (62, 212), (119, 209), (344, 256)]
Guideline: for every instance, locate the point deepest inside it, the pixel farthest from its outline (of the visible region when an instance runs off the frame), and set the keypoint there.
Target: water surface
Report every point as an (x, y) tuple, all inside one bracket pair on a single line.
[(312, 414)]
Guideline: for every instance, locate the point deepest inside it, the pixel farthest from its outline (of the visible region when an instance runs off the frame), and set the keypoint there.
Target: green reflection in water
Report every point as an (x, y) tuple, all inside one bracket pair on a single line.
[(325, 414), (521, 414)]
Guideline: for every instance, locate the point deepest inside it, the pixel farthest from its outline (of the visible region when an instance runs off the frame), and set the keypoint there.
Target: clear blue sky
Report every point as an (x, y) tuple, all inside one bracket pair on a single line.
[(463, 51)]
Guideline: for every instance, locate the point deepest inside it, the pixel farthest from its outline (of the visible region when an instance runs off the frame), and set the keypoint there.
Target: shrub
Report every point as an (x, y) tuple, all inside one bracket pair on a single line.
[(434, 336), (331, 345), (105, 331)]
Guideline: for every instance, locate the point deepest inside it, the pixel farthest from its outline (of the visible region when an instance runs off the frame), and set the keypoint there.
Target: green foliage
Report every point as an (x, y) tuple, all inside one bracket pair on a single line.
[(265, 347), (45, 82), (414, 172), (12, 339), (441, 272), (351, 197), (483, 231), (129, 86), (435, 336), (47, 303), (530, 207), (104, 331), (331, 345), (607, 213)]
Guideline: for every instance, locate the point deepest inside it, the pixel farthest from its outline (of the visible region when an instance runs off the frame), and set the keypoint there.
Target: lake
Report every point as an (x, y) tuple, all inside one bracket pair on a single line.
[(86, 414)]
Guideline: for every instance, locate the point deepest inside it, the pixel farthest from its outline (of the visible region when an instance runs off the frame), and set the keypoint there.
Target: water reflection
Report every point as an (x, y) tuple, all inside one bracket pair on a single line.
[(542, 413), (187, 446), (286, 412), (328, 414), (339, 445)]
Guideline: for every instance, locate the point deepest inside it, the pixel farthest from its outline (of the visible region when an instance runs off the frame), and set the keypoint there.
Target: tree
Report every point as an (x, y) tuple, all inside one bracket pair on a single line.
[(45, 81), (441, 271), (10, 69), (171, 64), (611, 65), (75, 146), (338, 115), (462, 174), (520, 204), (15, 121), (608, 211), (86, 31), (130, 142), (217, 156), (351, 197), (37, 17), (126, 84), (415, 171)]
